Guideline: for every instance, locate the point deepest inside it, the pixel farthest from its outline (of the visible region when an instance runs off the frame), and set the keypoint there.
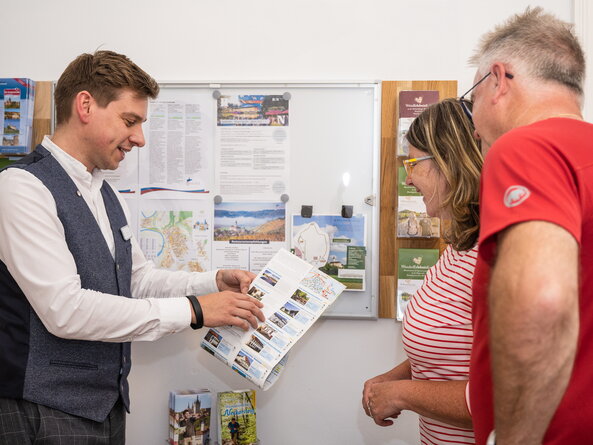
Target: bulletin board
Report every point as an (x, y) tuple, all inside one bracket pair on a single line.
[(332, 167)]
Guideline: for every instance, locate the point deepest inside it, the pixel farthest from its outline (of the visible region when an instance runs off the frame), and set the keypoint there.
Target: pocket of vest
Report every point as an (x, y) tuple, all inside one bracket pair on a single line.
[(77, 365)]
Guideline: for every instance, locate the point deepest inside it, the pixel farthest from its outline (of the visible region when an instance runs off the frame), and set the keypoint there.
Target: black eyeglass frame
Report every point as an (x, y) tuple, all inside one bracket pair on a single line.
[(464, 102)]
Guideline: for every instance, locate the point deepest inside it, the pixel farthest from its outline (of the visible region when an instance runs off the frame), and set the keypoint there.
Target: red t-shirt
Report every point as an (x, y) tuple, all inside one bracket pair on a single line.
[(543, 171)]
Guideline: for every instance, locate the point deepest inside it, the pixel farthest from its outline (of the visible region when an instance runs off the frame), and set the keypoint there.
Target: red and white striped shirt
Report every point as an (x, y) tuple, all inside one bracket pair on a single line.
[(437, 334)]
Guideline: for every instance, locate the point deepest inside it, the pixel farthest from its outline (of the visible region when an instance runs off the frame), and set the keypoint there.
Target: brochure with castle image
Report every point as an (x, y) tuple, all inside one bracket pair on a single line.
[(411, 104), (17, 100), (189, 417), (412, 265), (295, 294), (412, 219), (237, 417)]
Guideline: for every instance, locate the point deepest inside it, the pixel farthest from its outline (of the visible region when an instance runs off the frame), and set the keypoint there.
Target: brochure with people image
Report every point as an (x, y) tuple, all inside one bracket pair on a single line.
[(412, 219), (237, 417), (295, 294)]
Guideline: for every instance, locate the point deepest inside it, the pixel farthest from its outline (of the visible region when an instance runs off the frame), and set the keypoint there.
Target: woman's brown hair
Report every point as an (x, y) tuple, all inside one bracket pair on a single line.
[(444, 131)]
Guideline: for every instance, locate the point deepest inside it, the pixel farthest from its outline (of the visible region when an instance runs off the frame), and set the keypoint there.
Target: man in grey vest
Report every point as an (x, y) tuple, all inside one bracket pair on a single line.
[(75, 288)]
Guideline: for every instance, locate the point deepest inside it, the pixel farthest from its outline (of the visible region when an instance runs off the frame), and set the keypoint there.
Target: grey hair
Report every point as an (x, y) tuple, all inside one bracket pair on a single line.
[(536, 44)]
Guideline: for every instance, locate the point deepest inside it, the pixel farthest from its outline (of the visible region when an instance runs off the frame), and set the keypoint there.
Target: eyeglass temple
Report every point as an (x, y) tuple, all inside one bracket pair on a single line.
[(507, 75)]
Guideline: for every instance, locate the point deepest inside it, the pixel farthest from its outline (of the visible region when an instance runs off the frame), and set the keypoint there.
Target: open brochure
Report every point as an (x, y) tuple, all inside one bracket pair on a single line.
[(295, 294)]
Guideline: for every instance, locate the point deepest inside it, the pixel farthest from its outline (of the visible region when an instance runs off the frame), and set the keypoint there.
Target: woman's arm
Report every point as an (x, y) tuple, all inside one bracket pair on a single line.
[(400, 372), (442, 401)]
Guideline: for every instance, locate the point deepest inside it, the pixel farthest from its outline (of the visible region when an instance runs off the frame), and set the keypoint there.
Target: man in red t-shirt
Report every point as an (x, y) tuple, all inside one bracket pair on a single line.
[(532, 358)]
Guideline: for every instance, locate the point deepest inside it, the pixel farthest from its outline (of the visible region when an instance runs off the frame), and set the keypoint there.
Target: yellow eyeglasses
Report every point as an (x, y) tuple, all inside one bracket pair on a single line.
[(409, 164)]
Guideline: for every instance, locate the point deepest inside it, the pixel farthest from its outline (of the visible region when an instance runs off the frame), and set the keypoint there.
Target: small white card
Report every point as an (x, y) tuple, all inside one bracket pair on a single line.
[(126, 232)]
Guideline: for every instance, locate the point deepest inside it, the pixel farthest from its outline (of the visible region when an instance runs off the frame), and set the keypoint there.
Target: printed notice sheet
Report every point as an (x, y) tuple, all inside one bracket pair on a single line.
[(294, 294), (252, 138), (178, 158)]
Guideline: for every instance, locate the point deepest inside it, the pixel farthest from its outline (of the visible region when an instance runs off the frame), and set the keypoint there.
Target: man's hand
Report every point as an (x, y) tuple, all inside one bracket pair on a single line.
[(234, 279), (229, 308)]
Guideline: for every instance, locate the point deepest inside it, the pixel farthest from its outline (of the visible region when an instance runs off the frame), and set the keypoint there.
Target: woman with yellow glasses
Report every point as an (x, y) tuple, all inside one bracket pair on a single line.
[(444, 165)]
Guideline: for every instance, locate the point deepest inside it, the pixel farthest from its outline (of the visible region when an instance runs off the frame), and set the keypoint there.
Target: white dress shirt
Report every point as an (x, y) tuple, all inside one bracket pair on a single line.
[(34, 249)]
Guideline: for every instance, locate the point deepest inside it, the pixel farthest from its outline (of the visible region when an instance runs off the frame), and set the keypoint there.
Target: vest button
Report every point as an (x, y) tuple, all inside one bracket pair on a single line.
[(117, 266)]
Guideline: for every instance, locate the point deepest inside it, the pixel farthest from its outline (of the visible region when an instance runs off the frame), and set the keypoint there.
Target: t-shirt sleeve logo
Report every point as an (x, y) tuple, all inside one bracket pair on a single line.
[(515, 195)]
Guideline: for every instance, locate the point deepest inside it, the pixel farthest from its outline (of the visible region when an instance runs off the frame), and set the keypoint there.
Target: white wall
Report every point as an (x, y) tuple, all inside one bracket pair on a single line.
[(317, 400)]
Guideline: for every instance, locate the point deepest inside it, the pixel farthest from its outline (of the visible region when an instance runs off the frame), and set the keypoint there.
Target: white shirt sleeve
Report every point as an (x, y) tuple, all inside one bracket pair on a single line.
[(34, 250)]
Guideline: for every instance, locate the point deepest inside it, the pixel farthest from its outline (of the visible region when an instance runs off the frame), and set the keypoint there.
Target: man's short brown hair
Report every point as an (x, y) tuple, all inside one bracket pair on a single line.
[(103, 74)]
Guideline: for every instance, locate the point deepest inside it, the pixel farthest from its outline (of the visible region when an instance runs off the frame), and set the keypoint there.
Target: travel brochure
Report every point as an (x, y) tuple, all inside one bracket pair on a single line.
[(17, 100), (411, 105), (412, 265), (412, 219), (295, 294), (237, 417), (189, 417)]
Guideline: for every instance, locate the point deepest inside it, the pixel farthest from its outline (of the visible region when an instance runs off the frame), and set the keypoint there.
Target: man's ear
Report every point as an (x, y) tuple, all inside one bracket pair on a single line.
[(83, 106), (502, 86)]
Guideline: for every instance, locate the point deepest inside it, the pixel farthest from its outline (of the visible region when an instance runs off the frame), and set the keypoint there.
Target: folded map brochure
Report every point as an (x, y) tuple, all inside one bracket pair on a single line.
[(295, 294)]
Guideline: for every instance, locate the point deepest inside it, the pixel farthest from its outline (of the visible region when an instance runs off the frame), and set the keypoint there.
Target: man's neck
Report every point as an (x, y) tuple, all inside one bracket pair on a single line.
[(542, 105), (71, 144)]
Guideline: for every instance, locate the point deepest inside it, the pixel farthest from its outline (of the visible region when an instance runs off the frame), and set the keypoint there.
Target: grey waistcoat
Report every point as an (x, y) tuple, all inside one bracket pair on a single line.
[(84, 378)]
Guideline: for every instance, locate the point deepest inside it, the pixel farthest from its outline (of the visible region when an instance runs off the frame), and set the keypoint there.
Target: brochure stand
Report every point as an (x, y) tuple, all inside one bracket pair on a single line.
[(390, 164)]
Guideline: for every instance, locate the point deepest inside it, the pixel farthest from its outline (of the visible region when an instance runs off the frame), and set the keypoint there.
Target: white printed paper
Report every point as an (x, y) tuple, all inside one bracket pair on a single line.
[(294, 294)]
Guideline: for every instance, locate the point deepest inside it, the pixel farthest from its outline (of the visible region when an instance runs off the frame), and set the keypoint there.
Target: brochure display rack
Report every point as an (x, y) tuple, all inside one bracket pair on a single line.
[(390, 163)]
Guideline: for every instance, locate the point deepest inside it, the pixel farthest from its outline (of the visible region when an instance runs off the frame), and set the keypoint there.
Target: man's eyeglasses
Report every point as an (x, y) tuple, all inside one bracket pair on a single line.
[(409, 164), (466, 104)]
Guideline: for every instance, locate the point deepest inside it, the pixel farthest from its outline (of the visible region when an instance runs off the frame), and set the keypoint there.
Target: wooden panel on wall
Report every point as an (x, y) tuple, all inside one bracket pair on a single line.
[(42, 113), (389, 163)]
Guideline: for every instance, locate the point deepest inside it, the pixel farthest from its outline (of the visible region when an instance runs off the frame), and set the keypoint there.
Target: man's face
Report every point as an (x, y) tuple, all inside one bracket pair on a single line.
[(114, 130), (477, 109), (483, 112)]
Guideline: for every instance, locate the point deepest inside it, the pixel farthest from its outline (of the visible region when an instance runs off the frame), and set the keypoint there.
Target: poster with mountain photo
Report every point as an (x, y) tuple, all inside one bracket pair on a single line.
[(247, 234)]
